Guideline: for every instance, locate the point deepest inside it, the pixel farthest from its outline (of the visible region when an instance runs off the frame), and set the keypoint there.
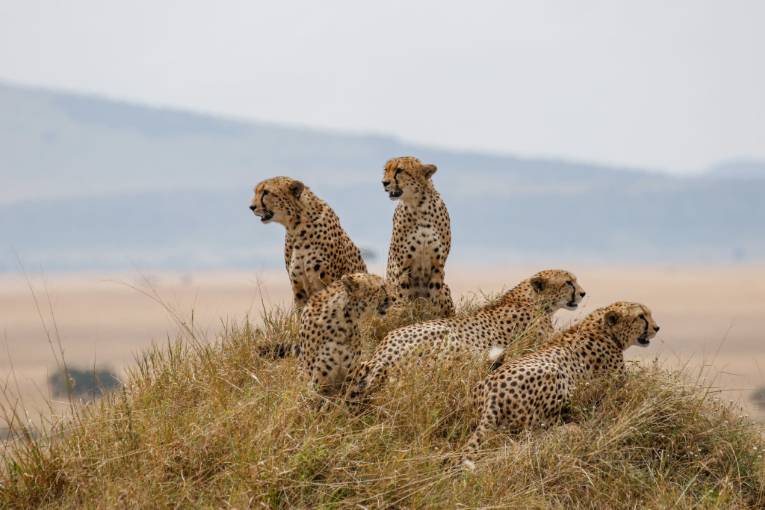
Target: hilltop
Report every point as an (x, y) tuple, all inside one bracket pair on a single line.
[(225, 425)]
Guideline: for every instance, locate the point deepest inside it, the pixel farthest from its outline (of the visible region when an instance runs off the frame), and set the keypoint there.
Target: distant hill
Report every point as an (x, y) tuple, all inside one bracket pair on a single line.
[(90, 183), (742, 169)]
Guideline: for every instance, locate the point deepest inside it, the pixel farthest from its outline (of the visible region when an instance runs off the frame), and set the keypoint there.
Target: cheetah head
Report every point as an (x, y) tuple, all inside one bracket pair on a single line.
[(558, 288), (277, 199), (369, 291), (629, 324), (406, 176)]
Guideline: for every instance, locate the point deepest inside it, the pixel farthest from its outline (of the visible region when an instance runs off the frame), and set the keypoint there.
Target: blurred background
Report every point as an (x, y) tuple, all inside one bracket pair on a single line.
[(622, 140)]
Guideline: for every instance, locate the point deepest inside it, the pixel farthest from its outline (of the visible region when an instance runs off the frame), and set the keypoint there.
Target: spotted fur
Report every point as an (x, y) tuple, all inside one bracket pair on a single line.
[(330, 341), (317, 251), (422, 238), (537, 388), (525, 311)]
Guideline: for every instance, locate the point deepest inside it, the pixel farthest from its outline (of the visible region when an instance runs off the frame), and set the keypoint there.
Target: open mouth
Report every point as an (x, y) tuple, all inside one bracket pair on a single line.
[(572, 305), (265, 216), (395, 194), (643, 339)]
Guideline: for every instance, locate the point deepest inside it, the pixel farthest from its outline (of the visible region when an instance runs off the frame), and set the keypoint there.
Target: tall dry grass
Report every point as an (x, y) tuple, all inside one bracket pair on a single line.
[(223, 424)]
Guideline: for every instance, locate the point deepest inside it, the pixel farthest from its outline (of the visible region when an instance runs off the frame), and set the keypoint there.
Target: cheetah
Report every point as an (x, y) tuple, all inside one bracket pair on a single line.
[(537, 387), (421, 238), (330, 341), (317, 251), (525, 311)]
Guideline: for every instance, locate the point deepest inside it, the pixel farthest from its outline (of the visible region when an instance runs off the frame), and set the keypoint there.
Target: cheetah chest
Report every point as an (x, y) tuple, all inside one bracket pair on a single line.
[(307, 269), (421, 257)]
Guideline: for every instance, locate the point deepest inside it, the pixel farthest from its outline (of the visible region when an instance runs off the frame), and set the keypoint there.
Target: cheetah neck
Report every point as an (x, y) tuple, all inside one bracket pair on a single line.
[(309, 215), (421, 198), (582, 345), (592, 326), (523, 294)]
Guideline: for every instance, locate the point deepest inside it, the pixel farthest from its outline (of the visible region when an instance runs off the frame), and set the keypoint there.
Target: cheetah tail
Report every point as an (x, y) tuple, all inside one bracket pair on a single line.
[(280, 351), (497, 357)]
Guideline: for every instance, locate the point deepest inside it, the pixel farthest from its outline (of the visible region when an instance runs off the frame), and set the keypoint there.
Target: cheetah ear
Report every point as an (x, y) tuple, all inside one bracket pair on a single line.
[(296, 188), (428, 170), (349, 284), (612, 318), (538, 283)]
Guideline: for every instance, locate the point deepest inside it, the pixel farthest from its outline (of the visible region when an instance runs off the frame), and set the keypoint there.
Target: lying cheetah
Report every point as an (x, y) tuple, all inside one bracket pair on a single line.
[(528, 391), (317, 251), (330, 342), (421, 238), (526, 310)]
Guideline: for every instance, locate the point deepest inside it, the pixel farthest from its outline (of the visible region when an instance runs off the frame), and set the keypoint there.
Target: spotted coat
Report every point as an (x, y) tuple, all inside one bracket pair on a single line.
[(317, 251), (330, 339), (525, 312), (422, 238), (536, 388)]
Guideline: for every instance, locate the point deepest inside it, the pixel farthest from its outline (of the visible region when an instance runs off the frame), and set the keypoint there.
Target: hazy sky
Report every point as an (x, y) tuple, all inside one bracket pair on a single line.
[(677, 84)]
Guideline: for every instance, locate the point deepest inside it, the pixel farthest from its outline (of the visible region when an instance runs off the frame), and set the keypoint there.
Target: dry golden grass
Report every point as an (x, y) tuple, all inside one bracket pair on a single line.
[(709, 317), (221, 425)]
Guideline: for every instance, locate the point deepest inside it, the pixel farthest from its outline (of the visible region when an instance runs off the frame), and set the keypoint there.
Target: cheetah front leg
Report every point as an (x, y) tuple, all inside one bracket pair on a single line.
[(442, 299), (489, 421), (330, 372), (299, 292), (439, 291), (374, 372), (317, 274), (475, 400), (364, 382), (357, 395), (401, 283)]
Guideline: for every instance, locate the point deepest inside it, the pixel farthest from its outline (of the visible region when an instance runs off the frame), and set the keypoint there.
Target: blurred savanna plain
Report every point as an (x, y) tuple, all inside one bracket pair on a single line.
[(712, 318)]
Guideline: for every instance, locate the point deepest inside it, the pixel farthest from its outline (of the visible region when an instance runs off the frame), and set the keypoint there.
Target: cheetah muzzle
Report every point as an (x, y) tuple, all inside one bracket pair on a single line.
[(395, 194), (643, 340), (576, 297), (265, 216)]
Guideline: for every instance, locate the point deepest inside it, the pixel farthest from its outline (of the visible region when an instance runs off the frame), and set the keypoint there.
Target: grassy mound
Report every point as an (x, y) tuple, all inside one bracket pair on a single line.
[(225, 425)]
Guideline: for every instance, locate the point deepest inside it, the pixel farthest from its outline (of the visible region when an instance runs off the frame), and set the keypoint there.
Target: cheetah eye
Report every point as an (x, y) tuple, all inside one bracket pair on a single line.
[(641, 316), (399, 170)]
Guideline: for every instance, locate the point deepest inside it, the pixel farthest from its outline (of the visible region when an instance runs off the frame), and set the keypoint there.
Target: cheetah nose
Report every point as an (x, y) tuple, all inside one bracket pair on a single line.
[(386, 183), (656, 328), (252, 208), (582, 294)]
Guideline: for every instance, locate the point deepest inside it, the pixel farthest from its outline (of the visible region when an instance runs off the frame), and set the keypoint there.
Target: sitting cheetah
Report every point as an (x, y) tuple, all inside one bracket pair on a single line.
[(421, 238), (526, 310), (317, 251), (330, 342), (537, 387)]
